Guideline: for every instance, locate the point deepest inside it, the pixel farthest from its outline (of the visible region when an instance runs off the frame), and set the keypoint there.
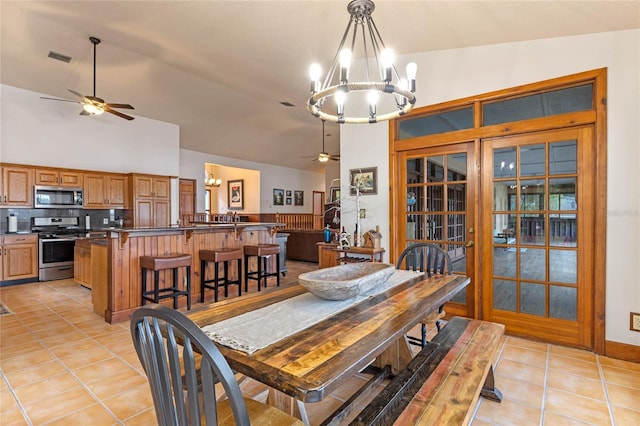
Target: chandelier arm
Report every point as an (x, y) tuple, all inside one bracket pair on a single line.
[(334, 64), (376, 42)]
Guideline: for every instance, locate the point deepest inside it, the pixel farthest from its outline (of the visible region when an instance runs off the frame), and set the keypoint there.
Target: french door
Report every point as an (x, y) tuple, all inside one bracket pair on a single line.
[(538, 234), (437, 199)]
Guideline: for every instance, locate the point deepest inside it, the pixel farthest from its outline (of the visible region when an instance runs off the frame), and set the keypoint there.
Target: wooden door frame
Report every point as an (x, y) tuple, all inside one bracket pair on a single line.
[(597, 117)]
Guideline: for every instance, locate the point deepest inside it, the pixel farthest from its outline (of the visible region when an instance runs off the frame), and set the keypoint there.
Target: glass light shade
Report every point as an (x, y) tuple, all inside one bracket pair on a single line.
[(387, 57), (412, 70), (323, 157), (314, 72), (373, 96), (92, 109), (345, 58)]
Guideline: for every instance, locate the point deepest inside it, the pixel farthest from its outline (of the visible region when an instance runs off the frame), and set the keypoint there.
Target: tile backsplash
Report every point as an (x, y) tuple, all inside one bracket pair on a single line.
[(97, 217)]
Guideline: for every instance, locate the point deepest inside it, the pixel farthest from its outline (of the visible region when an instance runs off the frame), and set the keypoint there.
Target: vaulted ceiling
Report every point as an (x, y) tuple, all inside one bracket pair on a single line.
[(220, 69)]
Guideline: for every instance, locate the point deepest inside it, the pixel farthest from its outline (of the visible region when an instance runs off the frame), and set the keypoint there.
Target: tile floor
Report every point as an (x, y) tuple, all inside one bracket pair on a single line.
[(62, 364)]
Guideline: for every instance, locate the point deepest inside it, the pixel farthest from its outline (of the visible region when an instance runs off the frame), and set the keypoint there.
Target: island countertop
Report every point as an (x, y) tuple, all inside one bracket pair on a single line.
[(125, 246)]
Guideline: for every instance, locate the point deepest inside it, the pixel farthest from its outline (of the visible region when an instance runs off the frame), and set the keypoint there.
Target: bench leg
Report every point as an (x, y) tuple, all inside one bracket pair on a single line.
[(489, 389)]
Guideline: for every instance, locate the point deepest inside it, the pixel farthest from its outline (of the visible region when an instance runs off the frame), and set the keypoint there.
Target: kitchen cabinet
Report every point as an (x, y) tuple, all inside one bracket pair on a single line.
[(104, 190), (150, 201), (53, 177), (82, 262), (19, 255), (16, 186)]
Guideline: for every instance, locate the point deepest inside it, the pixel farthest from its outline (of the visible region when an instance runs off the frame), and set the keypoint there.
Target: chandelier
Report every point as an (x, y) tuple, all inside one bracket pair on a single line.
[(342, 89), (212, 181)]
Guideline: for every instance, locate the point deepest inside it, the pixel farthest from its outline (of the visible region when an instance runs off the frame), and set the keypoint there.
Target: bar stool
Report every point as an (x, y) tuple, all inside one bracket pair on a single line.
[(262, 252), (158, 263), (225, 255)]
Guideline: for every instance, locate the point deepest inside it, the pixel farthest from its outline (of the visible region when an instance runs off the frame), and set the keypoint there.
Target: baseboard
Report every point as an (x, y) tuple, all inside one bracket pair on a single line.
[(622, 351)]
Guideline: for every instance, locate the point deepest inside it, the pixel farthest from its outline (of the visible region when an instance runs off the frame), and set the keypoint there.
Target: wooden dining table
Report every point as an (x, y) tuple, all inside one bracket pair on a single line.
[(312, 363)]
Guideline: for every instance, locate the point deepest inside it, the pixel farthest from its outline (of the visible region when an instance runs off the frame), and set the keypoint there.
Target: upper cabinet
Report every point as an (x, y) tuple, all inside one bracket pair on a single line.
[(16, 187), (104, 190), (150, 201), (53, 177)]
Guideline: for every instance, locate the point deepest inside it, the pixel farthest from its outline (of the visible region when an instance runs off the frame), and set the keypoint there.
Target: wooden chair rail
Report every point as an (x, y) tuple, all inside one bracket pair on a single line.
[(296, 220), (441, 384)]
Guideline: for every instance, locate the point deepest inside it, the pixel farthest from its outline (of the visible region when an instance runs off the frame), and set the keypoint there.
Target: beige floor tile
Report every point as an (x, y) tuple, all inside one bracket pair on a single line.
[(55, 330), (529, 344), (34, 374), (63, 339), (577, 384), (345, 391), (553, 419), (577, 406), (131, 402), (86, 357), (618, 363), (20, 350), (319, 411), (623, 396), (8, 401), (46, 389), (93, 415), (12, 417), (112, 385), (574, 366), (13, 332), (479, 422), (625, 416), (519, 371), (525, 356), (29, 359), (145, 418), (103, 369), (77, 346), (59, 405), (621, 377), (508, 413), (572, 353), (519, 391)]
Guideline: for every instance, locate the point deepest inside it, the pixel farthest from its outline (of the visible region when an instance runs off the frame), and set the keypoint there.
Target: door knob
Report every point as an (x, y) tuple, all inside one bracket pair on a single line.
[(470, 244)]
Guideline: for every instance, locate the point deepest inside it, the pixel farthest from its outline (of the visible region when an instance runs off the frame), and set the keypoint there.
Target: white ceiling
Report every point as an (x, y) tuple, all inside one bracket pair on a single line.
[(220, 69)]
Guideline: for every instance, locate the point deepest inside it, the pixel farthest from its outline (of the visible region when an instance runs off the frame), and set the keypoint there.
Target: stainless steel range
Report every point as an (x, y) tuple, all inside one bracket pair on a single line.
[(57, 237)]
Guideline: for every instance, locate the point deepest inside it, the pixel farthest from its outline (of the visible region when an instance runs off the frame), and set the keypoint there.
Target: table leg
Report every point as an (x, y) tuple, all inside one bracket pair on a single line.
[(288, 404), (398, 356)]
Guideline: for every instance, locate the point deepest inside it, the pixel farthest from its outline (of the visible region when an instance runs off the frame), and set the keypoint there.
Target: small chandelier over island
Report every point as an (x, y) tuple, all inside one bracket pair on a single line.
[(342, 89)]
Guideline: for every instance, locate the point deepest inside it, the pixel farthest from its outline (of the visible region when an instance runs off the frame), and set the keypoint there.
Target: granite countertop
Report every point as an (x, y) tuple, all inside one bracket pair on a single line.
[(202, 225)]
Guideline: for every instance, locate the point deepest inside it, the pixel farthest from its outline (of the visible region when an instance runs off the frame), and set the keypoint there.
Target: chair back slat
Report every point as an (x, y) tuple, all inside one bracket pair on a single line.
[(166, 342), (425, 257)]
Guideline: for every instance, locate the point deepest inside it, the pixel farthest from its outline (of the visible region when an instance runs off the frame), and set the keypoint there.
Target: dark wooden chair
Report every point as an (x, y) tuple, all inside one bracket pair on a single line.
[(430, 259), (183, 383)]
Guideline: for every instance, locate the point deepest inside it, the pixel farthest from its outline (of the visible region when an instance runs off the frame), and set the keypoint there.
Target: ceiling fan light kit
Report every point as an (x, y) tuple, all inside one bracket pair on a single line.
[(92, 105), (403, 90)]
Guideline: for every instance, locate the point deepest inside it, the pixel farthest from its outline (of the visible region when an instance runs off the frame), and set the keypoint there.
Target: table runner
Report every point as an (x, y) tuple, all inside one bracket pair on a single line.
[(258, 329)]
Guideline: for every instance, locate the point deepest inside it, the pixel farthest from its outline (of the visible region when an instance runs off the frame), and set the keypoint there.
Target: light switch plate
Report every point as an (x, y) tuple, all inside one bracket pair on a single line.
[(635, 321)]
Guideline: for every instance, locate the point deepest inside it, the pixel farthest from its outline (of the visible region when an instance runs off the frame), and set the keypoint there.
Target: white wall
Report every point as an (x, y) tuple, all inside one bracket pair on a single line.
[(192, 165), (52, 133), (457, 73)]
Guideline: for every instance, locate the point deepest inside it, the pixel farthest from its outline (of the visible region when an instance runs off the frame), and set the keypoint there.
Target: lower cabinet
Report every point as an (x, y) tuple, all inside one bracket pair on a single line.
[(19, 255), (82, 263)]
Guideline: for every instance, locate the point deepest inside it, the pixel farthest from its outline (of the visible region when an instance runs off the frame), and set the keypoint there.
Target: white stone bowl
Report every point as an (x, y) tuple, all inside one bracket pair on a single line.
[(346, 281)]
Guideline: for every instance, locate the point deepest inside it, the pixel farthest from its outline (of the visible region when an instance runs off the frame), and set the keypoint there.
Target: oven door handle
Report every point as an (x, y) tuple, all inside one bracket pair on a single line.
[(46, 240)]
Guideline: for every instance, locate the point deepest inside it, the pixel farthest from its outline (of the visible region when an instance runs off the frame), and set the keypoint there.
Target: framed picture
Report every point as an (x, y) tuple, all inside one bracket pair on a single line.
[(298, 198), (334, 195), (278, 197), (288, 193), (365, 179), (235, 194), (288, 201)]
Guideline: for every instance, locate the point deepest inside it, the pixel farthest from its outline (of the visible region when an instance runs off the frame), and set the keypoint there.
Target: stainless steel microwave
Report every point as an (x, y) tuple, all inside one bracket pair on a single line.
[(57, 197)]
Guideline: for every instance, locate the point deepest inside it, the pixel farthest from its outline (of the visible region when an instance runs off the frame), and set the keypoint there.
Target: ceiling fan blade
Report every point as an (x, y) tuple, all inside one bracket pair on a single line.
[(83, 112), (335, 158), (76, 93), (119, 114), (59, 99), (125, 106)]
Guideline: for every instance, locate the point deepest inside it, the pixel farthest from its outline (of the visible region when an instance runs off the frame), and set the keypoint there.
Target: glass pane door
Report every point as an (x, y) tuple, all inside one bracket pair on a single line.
[(539, 225), (435, 201)]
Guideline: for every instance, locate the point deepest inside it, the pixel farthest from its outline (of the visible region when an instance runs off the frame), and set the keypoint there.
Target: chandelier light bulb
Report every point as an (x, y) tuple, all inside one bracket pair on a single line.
[(345, 63), (412, 70), (386, 58), (340, 98), (314, 73), (373, 96), (404, 85)]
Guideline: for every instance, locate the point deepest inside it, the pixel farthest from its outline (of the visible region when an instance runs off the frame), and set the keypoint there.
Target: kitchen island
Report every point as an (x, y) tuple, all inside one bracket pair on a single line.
[(125, 246)]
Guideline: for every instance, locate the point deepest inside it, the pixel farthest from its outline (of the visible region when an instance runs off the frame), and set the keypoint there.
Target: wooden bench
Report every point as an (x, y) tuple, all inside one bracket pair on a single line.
[(442, 384)]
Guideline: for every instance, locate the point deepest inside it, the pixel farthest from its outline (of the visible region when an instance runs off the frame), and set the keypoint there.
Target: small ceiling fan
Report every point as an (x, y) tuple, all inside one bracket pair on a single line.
[(92, 105), (323, 156)]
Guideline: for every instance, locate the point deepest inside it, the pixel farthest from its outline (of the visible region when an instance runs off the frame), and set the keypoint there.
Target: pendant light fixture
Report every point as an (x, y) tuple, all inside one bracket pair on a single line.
[(381, 77)]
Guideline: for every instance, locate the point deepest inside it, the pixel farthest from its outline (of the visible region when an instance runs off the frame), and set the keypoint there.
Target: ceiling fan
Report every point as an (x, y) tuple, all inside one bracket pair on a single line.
[(92, 105), (323, 156)]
